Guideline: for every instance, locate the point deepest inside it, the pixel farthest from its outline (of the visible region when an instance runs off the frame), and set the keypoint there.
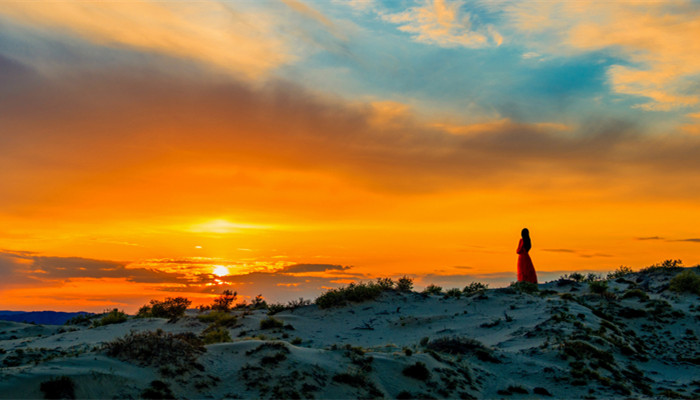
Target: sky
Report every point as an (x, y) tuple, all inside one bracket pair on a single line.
[(154, 149)]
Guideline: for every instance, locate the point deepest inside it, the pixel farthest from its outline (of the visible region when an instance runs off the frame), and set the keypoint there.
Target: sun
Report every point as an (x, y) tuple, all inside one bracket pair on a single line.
[(220, 270)]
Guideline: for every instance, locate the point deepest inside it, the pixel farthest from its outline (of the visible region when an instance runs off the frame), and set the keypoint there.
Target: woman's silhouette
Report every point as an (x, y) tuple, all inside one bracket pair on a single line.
[(526, 271)]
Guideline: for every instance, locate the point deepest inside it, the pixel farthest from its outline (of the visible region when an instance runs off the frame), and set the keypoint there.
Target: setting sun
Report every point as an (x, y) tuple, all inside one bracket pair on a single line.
[(220, 270)]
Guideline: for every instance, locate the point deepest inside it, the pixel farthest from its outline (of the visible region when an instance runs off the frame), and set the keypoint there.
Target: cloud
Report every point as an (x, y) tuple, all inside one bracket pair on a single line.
[(578, 253), (691, 240), (650, 238), (301, 268), (444, 23)]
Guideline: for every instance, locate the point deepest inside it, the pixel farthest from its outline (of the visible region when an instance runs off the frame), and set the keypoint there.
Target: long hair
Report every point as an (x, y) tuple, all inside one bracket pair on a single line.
[(527, 243)]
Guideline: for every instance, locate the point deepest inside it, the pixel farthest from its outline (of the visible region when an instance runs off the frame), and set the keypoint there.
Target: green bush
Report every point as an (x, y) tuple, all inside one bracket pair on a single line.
[(218, 318), (474, 287), (352, 293), (598, 287), (61, 387), (641, 295), (404, 284), (157, 348), (216, 334), (169, 308), (417, 371), (432, 289), (271, 323), (454, 292), (113, 317), (686, 281)]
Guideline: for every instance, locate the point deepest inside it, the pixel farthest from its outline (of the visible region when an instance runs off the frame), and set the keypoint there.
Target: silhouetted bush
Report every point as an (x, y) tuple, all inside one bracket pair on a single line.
[(271, 323), (417, 371), (351, 293), (666, 265), (225, 301), (81, 319), (525, 287), (215, 334), (301, 302), (274, 308), (385, 283), (474, 287), (432, 289), (218, 318), (454, 292), (686, 281), (169, 308), (61, 387), (113, 317), (598, 287), (158, 390), (620, 272), (258, 302), (157, 348), (574, 276), (404, 284)]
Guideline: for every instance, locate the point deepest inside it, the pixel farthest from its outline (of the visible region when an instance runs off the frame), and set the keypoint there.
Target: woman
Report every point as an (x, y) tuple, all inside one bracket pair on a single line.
[(526, 271)]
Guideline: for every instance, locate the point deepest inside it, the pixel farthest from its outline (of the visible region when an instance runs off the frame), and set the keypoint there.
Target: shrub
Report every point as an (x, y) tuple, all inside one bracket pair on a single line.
[(598, 287), (224, 302), (218, 318), (432, 289), (620, 272), (216, 334), (454, 292), (574, 276), (404, 284), (474, 287), (665, 265), (294, 304), (169, 308), (158, 390), (353, 293), (274, 308), (113, 317), (641, 295), (157, 348), (61, 387), (417, 371), (270, 323), (81, 319), (462, 345), (686, 281), (296, 341), (258, 302), (385, 283), (525, 287)]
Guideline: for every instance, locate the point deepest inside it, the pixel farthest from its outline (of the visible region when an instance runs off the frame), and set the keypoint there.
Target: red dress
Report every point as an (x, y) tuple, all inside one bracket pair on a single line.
[(526, 271)]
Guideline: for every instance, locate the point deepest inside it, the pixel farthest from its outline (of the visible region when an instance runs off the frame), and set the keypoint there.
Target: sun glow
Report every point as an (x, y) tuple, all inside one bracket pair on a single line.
[(220, 270)]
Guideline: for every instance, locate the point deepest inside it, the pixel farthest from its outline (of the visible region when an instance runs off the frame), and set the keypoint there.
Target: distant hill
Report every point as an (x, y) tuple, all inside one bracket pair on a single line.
[(40, 317)]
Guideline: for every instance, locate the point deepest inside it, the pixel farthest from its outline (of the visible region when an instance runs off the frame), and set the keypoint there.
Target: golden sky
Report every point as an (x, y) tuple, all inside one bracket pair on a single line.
[(293, 146)]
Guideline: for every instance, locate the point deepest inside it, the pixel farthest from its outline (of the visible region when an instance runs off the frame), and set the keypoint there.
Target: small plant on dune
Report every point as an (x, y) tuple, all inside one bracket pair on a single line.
[(641, 295), (574, 276), (61, 387), (218, 318), (598, 287), (225, 301), (157, 390), (157, 348), (525, 287), (462, 346), (454, 292), (686, 281), (169, 308), (352, 293), (81, 319), (432, 289), (620, 272), (274, 308), (271, 323), (294, 304), (417, 371), (113, 317), (258, 302), (216, 334), (404, 284), (666, 265), (385, 283), (474, 288)]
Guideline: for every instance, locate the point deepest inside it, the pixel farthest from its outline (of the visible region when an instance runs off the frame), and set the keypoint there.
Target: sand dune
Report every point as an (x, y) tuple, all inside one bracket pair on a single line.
[(636, 338)]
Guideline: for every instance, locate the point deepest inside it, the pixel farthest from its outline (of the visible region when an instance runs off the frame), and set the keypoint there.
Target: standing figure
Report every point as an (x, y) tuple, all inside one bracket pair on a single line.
[(526, 271)]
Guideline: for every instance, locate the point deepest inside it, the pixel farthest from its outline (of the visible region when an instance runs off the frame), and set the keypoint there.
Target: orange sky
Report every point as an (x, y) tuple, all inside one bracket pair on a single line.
[(134, 161)]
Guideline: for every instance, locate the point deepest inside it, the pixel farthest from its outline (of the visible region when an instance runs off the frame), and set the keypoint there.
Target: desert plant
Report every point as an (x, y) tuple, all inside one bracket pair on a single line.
[(404, 284), (258, 302), (61, 387), (385, 283), (598, 287), (619, 272), (665, 265), (474, 287), (574, 276), (417, 371), (294, 304), (686, 281), (270, 323), (112, 317), (454, 292), (351, 293), (157, 390), (641, 295), (525, 287), (218, 318), (157, 348), (81, 319), (216, 334), (168, 308), (432, 289), (274, 308), (224, 302)]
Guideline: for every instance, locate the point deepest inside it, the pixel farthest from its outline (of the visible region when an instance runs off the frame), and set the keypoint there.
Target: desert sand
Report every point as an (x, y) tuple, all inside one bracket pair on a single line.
[(637, 338)]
